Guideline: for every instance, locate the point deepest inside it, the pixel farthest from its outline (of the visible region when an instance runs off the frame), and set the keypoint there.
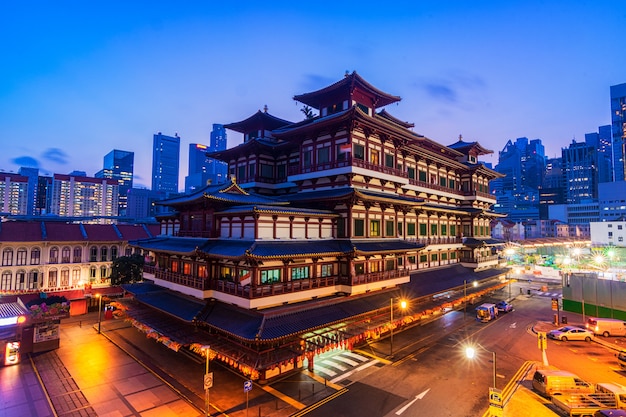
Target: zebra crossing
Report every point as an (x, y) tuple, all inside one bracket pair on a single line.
[(340, 365), (548, 294)]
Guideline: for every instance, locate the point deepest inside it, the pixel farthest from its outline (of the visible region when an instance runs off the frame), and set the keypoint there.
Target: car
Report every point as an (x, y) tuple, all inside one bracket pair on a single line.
[(570, 333), (504, 307)]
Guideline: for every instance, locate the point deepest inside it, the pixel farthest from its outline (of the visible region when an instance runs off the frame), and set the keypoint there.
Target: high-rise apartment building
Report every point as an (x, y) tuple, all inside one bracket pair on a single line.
[(13, 193), (118, 165), (74, 196), (618, 127), (165, 163)]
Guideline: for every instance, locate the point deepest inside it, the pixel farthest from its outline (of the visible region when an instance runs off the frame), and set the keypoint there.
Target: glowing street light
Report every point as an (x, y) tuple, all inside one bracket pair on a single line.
[(470, 353), (208, 378), (402, 304)]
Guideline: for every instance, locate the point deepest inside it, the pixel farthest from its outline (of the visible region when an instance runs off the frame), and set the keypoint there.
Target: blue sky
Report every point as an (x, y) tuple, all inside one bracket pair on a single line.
[(80, 78)]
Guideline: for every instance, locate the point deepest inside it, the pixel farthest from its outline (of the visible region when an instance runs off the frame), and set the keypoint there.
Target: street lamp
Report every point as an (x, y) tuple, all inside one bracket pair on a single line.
[(208, 378), (402, 305), (474, 284), (470, 353), (99, 311)]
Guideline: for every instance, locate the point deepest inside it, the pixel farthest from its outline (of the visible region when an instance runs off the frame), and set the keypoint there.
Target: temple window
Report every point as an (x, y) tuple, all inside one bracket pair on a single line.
[(452, 230), (410, 228), (252, 170), (451, 184), (433, 257), (411, 259), (423, 229), (433, 229), (363, 108), (359, 227), (411, 172), (359, 268), (390, 265), (422, 176), (326, 270), (359, 152), (267, 171), (375, 157), (307, 157), (442, 181), (375, 228), (269, 276), (389, 162), (389, 226), (301, 272), (323, 155), (423, 258), (444, 230), (241, 172)]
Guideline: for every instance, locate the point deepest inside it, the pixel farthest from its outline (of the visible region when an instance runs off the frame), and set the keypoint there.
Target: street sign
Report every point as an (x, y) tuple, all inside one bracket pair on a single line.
[(208, 381), (247, 386), (495, 397), (555, 304), (542, 340)]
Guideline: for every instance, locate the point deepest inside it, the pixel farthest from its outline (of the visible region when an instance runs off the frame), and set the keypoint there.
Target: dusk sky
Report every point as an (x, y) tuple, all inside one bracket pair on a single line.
[(81, 78)]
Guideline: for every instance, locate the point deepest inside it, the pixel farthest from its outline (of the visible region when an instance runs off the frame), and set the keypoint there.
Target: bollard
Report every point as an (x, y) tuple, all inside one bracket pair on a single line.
[(259, 411), (313, 388), (277, 403), (80, 323)]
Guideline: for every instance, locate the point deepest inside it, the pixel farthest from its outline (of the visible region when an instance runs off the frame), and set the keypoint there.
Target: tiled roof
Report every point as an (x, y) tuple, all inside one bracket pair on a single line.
[(277, 209), (277, 249), (473, 242), (8, 310), (182, 307), (56, 231), (385, 245), (20, 231)]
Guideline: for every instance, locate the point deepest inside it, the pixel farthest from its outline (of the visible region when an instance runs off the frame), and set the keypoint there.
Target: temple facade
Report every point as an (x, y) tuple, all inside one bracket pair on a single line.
[(341, 206)]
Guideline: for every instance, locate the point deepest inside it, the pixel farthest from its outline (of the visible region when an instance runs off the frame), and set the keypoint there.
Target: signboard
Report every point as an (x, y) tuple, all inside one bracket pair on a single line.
[(495, 397), (555, 304), (247, 386), (542, 340), (208, 380)]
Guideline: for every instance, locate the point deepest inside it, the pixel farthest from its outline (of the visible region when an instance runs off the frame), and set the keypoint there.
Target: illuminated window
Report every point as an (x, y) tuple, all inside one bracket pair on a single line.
[(375, 228), (52, 278), (6, 283), (326, 270), (78, 255), (65, 255), (269, 276), (21, 256), (375, 157), (300, 272)]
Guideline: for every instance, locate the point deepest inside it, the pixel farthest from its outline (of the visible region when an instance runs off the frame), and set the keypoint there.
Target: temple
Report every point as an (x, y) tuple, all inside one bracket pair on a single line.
[(324, 220)]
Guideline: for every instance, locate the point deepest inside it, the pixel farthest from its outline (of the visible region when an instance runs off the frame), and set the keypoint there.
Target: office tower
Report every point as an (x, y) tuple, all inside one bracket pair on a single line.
[(618, 124), (75, 196), (199, 174), (141, 204), (217, 169), (581, 176), (118, 165), (165, 163), (43, 198), (601, 141)]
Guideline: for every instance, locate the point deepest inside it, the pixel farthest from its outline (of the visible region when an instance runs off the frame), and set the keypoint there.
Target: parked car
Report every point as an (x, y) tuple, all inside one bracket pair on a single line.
[(504, 307), (570, 333)]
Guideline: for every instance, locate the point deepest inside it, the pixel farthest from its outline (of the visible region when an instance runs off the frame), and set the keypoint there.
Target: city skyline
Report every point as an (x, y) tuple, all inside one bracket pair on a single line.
[(83, 83)]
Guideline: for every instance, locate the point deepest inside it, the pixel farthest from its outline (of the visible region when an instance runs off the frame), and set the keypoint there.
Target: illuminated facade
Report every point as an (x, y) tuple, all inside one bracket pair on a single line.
[(13, 193), (75, 196)]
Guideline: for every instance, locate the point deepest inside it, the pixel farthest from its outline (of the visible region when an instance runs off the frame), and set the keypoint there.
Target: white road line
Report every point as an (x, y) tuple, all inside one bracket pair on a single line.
[(346, 360), (334, 365), (355, 356), (329, 372), (360, 368)]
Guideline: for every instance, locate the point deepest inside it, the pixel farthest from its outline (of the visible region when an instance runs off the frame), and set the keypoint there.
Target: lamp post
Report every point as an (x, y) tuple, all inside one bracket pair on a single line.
[(474, 284), (402, 306), (470, 353), (99, 311), (208, 378)]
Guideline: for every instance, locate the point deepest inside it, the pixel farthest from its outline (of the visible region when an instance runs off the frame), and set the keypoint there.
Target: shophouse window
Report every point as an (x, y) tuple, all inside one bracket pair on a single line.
[(21, 256), (103, 272), (104, 251), (93, 254), (54, 255), (359, 151), (410, 229), (33, 280), (359, 227), (35, 256), (65, 255), (326, 270), (389, 160), (65, 278), (7, 257), (269, 276), (92, 272), (6, 283), (52, 278), (375, 228), (423, 229), (78, 255), (301, 272), (389, 226), (20, 280), (113, 253), (76, 276)]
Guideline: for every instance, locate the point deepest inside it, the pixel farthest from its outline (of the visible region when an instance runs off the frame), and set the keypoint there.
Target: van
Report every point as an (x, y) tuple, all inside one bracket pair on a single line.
[(606, 327), (549, 382), (610, 413)]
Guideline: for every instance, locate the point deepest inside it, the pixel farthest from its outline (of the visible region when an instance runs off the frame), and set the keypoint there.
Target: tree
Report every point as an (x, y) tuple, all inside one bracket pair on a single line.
[(127, 269), (308, 112)]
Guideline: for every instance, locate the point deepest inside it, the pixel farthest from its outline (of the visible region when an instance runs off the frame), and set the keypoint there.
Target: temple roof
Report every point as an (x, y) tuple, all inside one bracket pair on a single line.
[(250, 147), (259, 120), (278, 210), (386, 115), (469, 148), (346, 88)]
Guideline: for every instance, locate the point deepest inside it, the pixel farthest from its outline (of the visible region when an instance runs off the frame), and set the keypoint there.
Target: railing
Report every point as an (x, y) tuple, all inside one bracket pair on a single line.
[(193, 233), (438, 187), (436, 240), (267, 290), (478, 259)]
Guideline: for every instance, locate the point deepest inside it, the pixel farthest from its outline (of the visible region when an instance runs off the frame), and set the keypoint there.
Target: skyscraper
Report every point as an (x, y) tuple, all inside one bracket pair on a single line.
[(581, 175), (165, 163), (217, 169), (198, 168), (118, 165), (618, 123)]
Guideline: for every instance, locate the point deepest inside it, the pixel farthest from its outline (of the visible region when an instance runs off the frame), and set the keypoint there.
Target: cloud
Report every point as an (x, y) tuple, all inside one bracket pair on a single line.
[(56, 155), (26, 161), (441, 92)]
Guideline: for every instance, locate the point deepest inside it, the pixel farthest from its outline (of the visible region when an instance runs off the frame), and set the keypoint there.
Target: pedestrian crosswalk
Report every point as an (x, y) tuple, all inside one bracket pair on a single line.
[(341, 365), (548, 294)]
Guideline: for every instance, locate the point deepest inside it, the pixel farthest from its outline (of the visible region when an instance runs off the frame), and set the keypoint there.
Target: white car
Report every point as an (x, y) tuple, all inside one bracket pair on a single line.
[(570, 333)]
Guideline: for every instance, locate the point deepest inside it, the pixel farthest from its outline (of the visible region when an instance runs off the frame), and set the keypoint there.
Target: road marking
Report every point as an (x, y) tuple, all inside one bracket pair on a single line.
[(329, 372), (346, 360), (347, 374), (334, 365), (417, 397), (355, 356), (513, 325)]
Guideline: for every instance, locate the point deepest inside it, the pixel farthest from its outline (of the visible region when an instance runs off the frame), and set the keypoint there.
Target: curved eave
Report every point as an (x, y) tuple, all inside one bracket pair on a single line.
[(258, 119), (222, 199), (391, 199), (318, 124), (348, 83), (389, 117), (247, 148), (295, 256), (467, 147)]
